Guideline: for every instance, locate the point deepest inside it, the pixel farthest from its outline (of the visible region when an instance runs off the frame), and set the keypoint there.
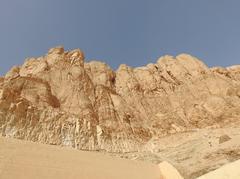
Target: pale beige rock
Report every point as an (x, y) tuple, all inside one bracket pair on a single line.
[(13, 73), (100, 74), (229, 171), (56, 50), (167, 171), (33, 66)]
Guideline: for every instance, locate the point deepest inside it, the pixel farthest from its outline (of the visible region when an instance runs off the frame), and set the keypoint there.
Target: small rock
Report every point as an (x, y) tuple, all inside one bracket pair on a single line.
[(224, 138)]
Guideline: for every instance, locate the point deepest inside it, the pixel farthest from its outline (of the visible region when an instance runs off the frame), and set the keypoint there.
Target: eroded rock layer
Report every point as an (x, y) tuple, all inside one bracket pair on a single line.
[(59, 99)]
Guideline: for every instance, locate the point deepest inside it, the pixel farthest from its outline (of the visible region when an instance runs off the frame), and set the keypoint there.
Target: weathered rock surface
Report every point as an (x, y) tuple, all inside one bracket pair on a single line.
[(60, 99)]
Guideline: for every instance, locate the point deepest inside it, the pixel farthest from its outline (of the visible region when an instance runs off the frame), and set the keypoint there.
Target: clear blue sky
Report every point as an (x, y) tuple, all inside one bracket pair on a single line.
[(135, 32)]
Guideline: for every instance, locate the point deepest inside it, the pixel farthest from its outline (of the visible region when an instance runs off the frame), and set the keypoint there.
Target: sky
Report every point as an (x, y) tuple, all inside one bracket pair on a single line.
[(134, 32)]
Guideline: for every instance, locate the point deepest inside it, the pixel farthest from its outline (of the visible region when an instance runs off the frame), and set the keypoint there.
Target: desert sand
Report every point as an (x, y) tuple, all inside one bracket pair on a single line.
[(28, 160)]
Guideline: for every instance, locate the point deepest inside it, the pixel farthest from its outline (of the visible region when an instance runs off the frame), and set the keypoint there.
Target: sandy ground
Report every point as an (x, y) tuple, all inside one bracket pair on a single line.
[(28, 160)]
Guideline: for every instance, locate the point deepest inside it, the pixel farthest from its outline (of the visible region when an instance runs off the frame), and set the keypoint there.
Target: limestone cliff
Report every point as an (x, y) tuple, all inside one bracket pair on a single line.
[(59, 99)]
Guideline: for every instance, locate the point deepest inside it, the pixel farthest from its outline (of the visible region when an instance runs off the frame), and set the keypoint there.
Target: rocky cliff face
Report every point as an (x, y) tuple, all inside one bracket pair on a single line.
[(59, 99)]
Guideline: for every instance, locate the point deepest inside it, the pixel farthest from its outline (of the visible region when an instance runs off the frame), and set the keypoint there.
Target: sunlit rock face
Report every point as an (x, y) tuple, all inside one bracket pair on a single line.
[(59, 99)]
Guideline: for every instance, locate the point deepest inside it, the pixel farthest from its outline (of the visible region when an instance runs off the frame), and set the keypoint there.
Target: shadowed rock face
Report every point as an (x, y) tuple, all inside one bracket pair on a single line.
[(60, 99)]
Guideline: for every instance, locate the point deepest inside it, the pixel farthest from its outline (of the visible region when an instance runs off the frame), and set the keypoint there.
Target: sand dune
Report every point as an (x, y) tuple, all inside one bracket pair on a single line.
[(27, 160)]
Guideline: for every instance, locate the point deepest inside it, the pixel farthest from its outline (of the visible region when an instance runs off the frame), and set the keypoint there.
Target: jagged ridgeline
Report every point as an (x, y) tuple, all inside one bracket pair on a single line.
[(59, 99)]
